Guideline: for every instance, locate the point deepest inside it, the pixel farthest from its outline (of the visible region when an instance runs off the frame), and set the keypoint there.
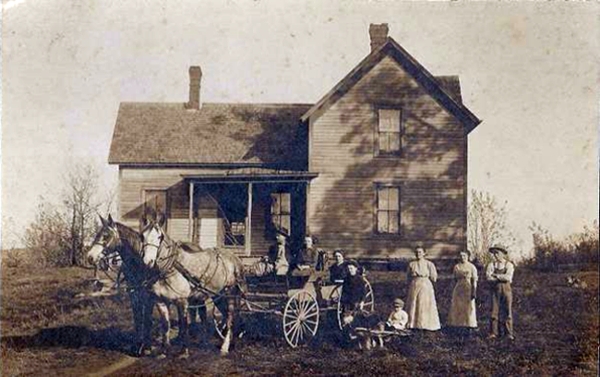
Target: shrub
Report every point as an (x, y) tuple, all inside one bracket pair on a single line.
[(47, 237), (577, 249)]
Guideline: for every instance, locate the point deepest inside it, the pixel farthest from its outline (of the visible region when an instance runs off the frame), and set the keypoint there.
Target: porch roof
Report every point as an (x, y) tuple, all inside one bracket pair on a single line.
[(252, 175)]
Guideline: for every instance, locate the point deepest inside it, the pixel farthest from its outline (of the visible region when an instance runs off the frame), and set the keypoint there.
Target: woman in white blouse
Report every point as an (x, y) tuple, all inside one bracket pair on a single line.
[(462, 310), (421, 305)]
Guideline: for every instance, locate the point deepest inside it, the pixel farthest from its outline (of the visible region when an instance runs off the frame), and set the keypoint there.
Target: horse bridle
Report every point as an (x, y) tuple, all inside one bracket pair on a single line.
[(169, 258), (107, 247), (161, 238), (171, 265)]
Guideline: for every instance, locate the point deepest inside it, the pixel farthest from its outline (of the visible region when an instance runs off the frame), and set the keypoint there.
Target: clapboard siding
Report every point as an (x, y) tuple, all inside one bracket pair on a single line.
[(134, 180), (431, 170)]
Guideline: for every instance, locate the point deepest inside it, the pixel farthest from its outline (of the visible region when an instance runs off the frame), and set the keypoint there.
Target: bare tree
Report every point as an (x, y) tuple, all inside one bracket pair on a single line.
[(487, 225), (59, 232), (80, 198)]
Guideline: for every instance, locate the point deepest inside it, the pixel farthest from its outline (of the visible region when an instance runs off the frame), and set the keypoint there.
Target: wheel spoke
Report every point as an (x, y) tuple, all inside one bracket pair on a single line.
[(310, 309), (290, 325), (307, 328), (295, 336), (301, 331), (294, 306), (303, 302), (294, 325)]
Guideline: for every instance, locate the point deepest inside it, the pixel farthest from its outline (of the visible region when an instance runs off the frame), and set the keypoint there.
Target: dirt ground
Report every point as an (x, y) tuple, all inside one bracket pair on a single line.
[(48, 329)]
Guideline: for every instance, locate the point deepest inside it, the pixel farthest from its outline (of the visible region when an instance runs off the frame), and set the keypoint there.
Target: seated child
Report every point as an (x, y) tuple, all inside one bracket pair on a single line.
[(396, 322), (398, 318)]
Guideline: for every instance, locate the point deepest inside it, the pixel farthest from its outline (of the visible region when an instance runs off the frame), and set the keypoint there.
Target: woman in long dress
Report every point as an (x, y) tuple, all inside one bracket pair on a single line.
[(462, 310), (421, 305)]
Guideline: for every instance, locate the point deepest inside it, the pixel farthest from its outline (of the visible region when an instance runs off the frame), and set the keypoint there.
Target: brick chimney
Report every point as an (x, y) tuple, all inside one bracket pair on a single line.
[(378, 34), (195, 78)]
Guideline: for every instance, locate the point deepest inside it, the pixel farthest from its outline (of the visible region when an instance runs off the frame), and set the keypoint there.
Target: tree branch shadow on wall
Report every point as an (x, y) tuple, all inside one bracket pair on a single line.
[(425, 217)]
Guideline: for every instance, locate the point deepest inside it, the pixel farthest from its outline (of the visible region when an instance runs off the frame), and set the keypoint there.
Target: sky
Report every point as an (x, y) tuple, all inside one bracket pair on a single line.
[(529, 70)]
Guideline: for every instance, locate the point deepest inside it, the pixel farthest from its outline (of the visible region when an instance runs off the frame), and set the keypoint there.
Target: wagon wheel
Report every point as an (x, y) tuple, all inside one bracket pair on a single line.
[(369, 301), (300, 318)]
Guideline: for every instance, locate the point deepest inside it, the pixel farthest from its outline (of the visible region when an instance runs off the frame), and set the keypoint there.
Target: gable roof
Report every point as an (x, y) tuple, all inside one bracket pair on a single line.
[(451, 84), (445, 90), (217, 133)]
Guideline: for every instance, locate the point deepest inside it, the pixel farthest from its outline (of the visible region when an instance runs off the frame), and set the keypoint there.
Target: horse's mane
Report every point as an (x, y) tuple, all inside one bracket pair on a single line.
[(130, 236), (133, 267)]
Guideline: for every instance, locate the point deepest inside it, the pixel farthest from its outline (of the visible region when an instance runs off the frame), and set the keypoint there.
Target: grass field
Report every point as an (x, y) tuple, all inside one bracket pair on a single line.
[(48, 328)]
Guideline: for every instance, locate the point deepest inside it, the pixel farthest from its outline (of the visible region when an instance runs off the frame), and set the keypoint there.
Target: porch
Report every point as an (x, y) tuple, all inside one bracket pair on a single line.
[(243, 209)]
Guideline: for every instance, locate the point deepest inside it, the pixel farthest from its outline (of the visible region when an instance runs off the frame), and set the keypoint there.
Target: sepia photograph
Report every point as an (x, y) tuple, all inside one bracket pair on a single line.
[(299, 188)]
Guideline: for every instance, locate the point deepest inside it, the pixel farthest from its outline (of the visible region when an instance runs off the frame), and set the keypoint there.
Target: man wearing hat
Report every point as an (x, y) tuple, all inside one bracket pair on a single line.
[(282, 264), (500, 274)]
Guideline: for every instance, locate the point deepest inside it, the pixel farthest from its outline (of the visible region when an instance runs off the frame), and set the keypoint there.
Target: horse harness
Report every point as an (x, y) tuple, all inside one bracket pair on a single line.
[(169, 264)]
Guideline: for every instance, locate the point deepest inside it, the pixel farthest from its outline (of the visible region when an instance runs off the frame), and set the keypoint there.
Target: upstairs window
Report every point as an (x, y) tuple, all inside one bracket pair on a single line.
[(387, 211), (389, 131)]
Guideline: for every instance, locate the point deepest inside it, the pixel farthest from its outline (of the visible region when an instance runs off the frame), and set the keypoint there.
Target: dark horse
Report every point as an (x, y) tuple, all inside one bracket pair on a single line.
[(114, 237)]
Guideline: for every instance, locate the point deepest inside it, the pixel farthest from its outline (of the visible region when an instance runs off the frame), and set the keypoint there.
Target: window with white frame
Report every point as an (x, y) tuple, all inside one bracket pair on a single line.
[(389, 132), (387, 211)]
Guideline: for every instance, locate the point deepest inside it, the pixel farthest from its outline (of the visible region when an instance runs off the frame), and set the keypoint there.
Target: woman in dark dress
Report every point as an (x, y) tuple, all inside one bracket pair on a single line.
[(339, 270), (354, 289)]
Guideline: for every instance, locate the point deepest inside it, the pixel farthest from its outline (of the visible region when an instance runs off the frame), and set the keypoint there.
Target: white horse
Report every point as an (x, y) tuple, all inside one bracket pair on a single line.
[(191, 273)]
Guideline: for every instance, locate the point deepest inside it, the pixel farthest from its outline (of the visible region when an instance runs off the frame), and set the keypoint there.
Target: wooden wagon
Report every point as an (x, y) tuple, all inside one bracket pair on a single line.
[(299, 300)]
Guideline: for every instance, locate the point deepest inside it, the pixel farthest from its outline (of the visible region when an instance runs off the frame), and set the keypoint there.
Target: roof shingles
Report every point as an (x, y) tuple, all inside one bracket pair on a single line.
[(218, 133)]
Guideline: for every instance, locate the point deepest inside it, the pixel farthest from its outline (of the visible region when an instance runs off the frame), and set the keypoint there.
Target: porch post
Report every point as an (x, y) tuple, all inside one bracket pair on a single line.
[(307, 229), (191, 214), (248, 246)]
